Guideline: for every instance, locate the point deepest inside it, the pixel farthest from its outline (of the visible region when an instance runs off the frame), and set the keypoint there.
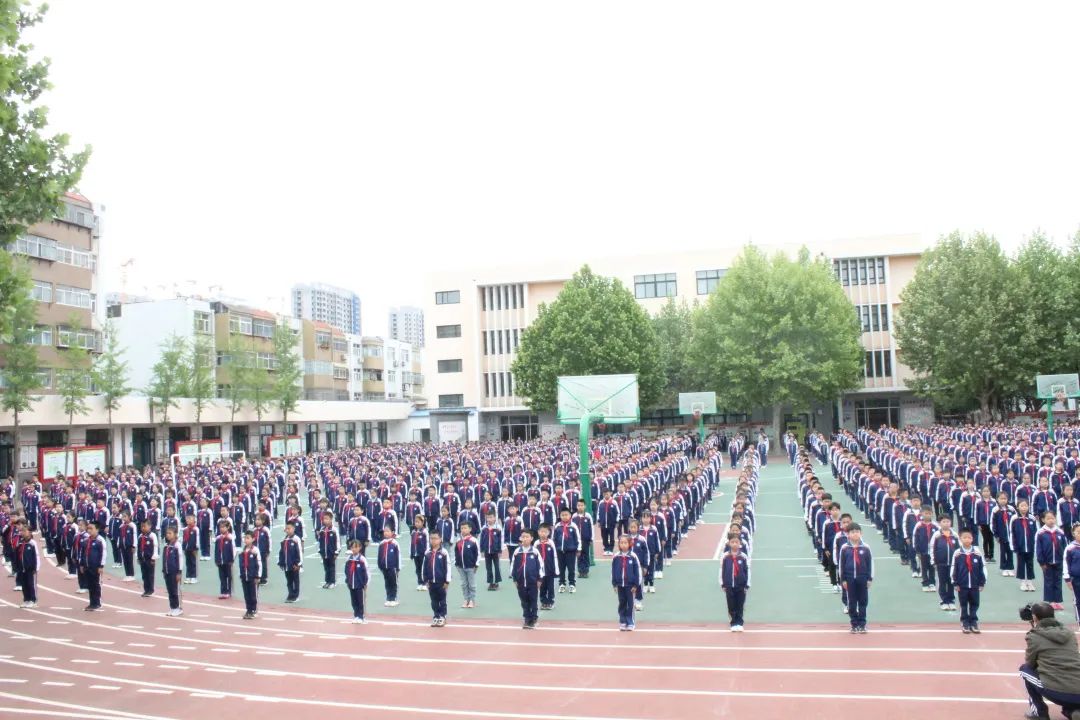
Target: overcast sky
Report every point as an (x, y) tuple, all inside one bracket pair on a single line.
[(257, 144)]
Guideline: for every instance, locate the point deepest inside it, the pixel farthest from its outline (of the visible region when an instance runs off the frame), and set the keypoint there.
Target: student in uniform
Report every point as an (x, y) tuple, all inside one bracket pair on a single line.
[(526, 570), (171, 570), (550, 561), (436, 576), (148, 554), (1071, 565), (607, 517), (857, 574), (584, 523), (735, 580), (263, 544), (491, 549), (1000, 522), (625, 579), (467, 560), (291, 561), (512, 528), (418, 545), (1022, 530), (26, 559), (567, 541), (129, 536), (224, 555), (92, 561), (968, 572), (942, 546), (356, 578), (389, 564), (251, 572), (329, 542), (190, 546), (1050, 545)]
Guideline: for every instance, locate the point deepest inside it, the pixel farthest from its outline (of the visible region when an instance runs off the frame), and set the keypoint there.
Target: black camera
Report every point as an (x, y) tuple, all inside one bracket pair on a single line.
[(1025, 613)]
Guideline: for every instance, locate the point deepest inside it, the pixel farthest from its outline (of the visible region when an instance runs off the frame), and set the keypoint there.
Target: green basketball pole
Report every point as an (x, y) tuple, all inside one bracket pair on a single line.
[(701, 428), (586, 482), (1050, 420)]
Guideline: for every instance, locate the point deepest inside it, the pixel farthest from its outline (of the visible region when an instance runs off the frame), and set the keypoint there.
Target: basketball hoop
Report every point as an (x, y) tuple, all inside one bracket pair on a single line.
[(697, 414), (1059, 397)]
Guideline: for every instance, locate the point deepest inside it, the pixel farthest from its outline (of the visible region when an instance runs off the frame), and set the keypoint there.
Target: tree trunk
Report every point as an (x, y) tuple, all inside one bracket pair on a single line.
[(123, 447), (778, 425), (17, 500), (67, 444)]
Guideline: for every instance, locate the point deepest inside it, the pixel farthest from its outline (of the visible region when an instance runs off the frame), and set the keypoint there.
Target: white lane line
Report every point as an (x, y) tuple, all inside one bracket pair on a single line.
[(247, 632), (174, 667), (181, 647), (219, 669), (209, 696), (615, 690), (104, 687), (125, 663), (42, 658), (57, 683), (141, 645), (101, 642), (13, 681), (224, 650), (59, 622), (83, 710), (82, 661), (58, 607), (269, 652), (155, 691), (207, 631), (22, 620)]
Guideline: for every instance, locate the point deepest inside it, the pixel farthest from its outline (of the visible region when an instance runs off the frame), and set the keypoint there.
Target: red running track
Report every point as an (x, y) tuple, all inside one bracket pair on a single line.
[(131, 661)]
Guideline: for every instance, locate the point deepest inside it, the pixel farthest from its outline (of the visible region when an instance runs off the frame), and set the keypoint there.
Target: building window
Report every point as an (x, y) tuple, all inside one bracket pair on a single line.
[(74, 297), (317, 367), (447, 331), (373, 351), (41, 291), (262, 328), (451, 401), (44, 378), (654, 286), (202, 323), (340, 346), (707, 280), (240, 324), (265, 361), (448, 297), (878, 363), (373, 375), (43, 335), (341, 373), (36, 246), (450, 366), (75, 257), (322, 339), (873, 318)]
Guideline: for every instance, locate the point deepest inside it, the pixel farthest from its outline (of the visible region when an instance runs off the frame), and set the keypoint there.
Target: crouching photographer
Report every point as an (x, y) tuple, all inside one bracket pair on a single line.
[(1051, 669)]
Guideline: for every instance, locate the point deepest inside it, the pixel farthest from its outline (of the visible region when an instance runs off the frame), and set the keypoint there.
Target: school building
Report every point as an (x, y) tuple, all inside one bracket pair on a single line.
[(474, 321)]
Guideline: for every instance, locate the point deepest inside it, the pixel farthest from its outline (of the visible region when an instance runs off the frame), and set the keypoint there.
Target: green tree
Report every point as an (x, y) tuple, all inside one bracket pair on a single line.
[(20, 361), (288, 371), (594, 327), (168, 379), (73, 380), (777, 332), (1043, 281), (960, 324), (236, 369), (35, 168), (111, 378), (673, 326), (200, 380)]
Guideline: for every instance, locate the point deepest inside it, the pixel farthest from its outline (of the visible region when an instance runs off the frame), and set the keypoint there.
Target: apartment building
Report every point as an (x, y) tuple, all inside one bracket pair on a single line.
[(63, 257), (406, 324), (475, 320), (382, 369), (337, 307), (326, 362)]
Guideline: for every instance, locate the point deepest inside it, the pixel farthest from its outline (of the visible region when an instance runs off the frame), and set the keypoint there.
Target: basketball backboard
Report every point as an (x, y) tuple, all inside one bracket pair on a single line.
[(697, 402), (609, 398), (1052, 387)]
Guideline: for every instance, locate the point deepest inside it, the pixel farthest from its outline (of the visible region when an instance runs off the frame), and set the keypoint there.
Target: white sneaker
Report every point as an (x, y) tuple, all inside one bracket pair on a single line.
[(737, 628), (358, 621), (843, 609), (129, 578), (944, 606), (638, 606), (573, 589), (562, 588), (81, 591), (386, 604), (659, 574), (674, 552), (651, 589), (420, 588), (391, 603), (916, 574), (30, 604)]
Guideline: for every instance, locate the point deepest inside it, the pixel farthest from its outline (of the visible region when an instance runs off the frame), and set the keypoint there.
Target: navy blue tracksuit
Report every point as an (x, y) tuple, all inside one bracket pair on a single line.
[(735, 579), (626, 577), (856, 564)]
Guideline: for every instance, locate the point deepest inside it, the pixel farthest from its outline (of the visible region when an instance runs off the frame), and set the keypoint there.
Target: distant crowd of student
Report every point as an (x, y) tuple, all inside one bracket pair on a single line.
[(445, 509), (934, 495)]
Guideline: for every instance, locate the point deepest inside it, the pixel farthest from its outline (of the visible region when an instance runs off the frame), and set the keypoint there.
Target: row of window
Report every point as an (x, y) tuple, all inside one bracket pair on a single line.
[(878, 363), (663, 285), (450, 366), (498, 384), (49, 249), (451, 401), (262, 360), (502, 297), (63, 295), (247, 325), (203, 323), (500, 342), (45, 380), (65, 337), (447, 331), (448, 297), (318, 367), (873, 317), (860, 271)]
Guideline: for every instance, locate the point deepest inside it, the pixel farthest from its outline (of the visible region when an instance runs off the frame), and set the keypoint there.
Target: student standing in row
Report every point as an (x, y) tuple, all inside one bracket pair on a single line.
[(389, 563), (857, 574), (291, 561), (625, 579), (526, 570), (356, 579), (148, 554), (735, 580), (467, 559), (491, 548), (968, 573), (92, 562), (436, 576), (224, 555), (251, 573), (171, 570), (27, 563)]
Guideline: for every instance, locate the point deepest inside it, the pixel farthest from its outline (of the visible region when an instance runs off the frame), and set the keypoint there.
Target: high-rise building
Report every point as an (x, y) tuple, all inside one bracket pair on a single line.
[(63, 258), (337, 307), (406, 324), (476, 320)]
